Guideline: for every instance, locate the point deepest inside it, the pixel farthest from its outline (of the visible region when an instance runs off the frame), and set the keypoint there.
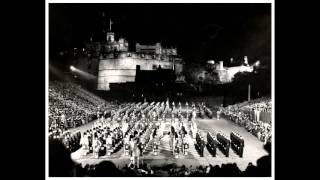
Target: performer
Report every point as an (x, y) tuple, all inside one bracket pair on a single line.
[(194, 114), (185, 144), (176, 143), (142, 144), (202, 145), (180, 143), (218, 114), (63, 122), (172, 135), (66, 142), (109, 144), (96, 146), (84, 142), (194, 129), (135, 153)]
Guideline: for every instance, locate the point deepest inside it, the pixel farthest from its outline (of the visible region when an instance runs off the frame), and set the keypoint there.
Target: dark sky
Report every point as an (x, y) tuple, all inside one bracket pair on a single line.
[(199, 31)]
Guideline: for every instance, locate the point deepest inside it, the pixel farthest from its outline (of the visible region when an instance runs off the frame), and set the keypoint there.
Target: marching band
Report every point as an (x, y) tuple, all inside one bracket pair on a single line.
[(137, 127)]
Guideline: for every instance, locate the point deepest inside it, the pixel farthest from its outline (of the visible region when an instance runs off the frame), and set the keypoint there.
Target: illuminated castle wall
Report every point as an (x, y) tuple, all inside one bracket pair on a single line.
[(120, 67), (123, 68), (225, 74)]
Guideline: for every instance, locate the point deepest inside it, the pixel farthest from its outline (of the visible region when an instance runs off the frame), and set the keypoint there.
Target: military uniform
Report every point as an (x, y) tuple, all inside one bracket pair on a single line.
[(202, 146)]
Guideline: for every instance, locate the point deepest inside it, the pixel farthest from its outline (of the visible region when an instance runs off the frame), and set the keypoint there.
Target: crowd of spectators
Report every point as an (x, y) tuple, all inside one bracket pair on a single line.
[(244, 114), (71, 106), (261, 104)]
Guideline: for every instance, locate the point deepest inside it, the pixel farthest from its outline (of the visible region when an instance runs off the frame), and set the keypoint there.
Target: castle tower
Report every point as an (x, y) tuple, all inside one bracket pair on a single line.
[(220, 65), (245, 61), (110, 34)]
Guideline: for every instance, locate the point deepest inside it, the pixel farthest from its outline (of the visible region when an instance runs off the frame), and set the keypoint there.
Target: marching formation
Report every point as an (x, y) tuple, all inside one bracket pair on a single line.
[(138, 129)]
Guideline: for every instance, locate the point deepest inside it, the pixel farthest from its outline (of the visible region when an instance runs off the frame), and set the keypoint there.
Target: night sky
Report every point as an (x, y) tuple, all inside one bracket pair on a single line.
[(199, 31)]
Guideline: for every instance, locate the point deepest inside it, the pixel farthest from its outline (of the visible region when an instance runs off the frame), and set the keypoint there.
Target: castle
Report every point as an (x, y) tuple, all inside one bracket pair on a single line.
[(119, 65), (226, 74)]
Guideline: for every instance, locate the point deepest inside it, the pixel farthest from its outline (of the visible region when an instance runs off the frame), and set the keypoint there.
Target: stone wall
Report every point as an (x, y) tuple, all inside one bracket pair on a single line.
[(123, 69)]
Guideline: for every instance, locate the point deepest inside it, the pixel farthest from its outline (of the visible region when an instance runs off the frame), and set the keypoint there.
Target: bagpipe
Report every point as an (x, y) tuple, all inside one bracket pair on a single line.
[(224, 144), (237, 143), (212, 144)]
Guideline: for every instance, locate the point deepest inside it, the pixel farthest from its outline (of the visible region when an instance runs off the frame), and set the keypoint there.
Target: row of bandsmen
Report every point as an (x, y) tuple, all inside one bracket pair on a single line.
[(200, 144), (237, 143), (155, 111), (224, 143), (221, 141)]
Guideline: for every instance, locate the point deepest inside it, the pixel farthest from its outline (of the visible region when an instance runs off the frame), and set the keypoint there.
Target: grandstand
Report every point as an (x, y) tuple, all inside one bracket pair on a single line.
[(78, 105)]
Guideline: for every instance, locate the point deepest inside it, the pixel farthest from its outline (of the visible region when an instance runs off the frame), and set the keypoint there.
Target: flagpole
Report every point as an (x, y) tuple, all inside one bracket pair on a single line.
[(249, 89), (110, 24)]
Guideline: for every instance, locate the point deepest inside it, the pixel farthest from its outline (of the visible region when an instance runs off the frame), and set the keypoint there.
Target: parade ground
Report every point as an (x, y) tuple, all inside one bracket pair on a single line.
[(253, 149)]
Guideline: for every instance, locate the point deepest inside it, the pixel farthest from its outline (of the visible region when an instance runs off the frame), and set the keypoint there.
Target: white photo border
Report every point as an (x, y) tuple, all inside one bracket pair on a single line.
[(159, 1)]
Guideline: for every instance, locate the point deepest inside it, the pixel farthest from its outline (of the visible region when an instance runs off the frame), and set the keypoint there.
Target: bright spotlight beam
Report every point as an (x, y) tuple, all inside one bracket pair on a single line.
[(72, 68), (81, 73)]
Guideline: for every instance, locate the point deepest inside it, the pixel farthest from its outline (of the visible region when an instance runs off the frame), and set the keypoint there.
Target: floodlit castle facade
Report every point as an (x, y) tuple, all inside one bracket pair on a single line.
[(118, 65)]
